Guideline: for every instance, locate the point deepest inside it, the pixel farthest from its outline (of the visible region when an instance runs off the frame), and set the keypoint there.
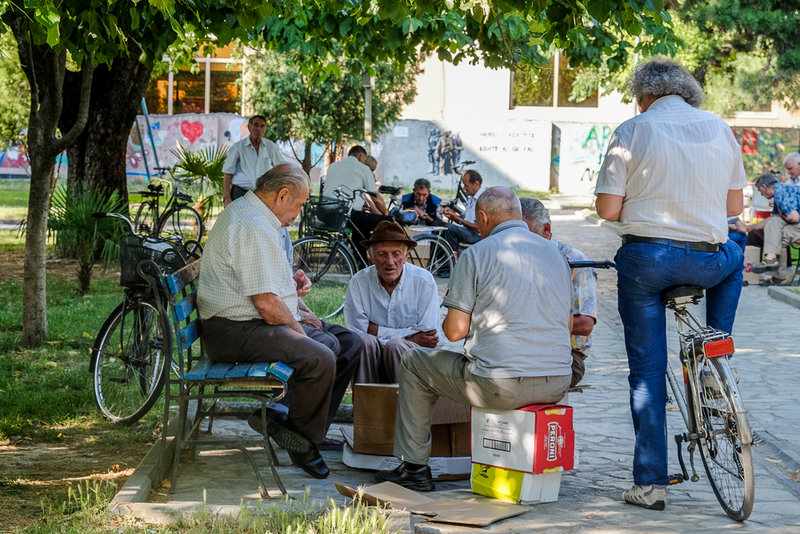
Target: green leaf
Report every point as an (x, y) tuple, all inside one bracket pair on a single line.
[(345, 25)]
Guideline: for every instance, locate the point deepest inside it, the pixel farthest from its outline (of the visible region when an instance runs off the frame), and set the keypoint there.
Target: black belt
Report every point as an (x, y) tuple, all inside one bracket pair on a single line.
[(697, 246)]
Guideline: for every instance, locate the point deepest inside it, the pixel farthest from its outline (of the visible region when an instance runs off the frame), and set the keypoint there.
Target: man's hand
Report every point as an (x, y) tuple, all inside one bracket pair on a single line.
[(372, 329), (308, 317), (739, 226), (793, 217), (425, 339), (303, 283), (450, 214)]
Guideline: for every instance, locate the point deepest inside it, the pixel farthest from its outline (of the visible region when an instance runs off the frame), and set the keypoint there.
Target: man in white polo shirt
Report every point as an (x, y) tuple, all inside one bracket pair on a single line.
[(248, 159)]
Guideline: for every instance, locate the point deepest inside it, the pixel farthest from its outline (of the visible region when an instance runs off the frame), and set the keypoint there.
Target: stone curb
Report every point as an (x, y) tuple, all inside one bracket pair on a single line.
[(784, 295)]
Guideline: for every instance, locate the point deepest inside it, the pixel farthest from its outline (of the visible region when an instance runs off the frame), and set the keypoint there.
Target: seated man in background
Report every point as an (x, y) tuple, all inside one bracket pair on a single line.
[(782, 227), (510, 300), (248, 301), (393, 305), (423, 203), (464, 229), (584, 287)]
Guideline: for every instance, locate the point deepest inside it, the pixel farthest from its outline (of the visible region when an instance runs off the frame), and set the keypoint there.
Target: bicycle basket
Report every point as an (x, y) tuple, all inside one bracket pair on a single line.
[(133, 249), (328, 214)]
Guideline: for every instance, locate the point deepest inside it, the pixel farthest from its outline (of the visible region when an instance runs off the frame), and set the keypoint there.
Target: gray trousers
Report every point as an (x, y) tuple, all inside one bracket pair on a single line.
[(778, 234), (379, 363), (427, 374)]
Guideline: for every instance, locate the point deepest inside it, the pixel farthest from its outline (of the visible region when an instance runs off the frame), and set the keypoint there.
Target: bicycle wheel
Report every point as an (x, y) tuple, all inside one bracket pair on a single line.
[(128, 361), (145, 219), (434, 254), (329, 266), (181, 220), (725, 450)]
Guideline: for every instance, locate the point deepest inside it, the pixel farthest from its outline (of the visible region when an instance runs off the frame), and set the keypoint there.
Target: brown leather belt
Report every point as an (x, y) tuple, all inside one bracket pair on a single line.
[(697, 246)]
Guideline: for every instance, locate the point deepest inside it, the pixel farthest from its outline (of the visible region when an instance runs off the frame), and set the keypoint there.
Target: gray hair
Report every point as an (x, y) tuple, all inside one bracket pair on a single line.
[(663, 77), (499, 202), (283, 175), (534, 212), (792, 157), (767, 180), (370, 160)]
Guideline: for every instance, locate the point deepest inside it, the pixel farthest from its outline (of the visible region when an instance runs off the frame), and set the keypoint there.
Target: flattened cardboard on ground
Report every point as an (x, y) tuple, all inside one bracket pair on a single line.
[(472, 512), (374, 409), (442, 468)]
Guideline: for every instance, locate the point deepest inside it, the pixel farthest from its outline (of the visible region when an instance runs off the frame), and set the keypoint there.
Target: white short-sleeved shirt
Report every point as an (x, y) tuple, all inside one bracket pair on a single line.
[(244, 256), (674, 165), (246, 165), (517, 288), (469, 207), (412, 307), (351, 174)]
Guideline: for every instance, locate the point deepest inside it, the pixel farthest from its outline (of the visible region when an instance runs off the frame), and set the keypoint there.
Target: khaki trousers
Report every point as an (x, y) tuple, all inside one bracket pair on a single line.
[(427, 374), (778, 234)]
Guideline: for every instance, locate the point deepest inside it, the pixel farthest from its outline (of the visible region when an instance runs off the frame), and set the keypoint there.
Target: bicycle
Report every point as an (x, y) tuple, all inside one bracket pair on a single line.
[(178, 217), (130, 352), (709, 403), (330, 259)]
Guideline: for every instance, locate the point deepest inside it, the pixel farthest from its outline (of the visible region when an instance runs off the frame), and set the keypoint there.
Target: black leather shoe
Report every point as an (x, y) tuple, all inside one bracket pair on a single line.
[(419, 480), (329, 444), (311, 462)]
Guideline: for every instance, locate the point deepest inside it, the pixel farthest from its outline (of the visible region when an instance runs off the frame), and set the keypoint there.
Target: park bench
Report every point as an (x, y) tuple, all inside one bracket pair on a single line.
[(197, 385)]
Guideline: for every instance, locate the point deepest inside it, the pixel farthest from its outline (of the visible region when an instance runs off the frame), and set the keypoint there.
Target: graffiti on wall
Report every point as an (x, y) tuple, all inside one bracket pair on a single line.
[(577, 158), (763, 149), (444, 151)]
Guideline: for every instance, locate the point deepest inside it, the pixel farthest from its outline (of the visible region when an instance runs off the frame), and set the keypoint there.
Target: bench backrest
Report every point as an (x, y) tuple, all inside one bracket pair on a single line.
[(181, 287)]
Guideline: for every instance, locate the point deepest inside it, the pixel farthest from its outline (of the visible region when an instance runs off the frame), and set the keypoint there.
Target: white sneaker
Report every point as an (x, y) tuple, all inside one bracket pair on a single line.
[(652, 497)]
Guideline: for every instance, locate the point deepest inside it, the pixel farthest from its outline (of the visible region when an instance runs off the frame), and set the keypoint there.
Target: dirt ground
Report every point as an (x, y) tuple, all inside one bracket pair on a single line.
[(36, 476)]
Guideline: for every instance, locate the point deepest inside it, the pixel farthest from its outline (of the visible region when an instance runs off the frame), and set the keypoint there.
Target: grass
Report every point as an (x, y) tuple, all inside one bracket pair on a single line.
[(83, 512)]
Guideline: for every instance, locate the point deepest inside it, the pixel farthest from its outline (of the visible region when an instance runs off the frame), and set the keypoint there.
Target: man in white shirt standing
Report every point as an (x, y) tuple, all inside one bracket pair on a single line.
[(248, 159), (672, 176), (392, 304), (464, 229)]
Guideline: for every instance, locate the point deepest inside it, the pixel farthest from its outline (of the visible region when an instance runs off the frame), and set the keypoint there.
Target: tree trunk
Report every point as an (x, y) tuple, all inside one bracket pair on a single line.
[(84, 277), (307, 158), (98, 155), (45, 72)]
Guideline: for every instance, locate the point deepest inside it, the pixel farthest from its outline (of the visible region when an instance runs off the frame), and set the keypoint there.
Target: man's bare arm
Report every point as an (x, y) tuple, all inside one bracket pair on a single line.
[(456, 324), (226, 188), (608, 206), (735, 202), (274, 311)]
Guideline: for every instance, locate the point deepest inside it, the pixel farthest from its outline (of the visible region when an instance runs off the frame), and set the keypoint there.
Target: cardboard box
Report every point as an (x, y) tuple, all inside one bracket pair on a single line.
[(374, 409), (534, 439), (515, 486), (752, 256)]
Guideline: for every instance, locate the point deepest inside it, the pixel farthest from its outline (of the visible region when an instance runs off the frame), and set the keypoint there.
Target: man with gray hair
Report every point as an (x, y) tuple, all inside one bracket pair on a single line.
[(584, 286), (249, 302), (509, 299), (672, 176), (792, 165)]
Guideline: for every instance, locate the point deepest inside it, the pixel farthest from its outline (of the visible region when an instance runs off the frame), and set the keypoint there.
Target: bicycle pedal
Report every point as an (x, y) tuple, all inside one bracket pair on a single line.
[(675, 479)]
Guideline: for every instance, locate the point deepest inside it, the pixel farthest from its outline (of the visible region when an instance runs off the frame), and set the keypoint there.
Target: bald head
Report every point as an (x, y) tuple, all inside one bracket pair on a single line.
[(496, 205)]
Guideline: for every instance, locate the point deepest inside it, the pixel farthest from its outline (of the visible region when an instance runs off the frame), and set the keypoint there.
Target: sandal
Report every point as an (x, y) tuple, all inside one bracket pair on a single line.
[(765, 266)]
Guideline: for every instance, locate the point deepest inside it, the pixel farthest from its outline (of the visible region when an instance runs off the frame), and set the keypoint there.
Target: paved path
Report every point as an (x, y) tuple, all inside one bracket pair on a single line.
[(768, 362)]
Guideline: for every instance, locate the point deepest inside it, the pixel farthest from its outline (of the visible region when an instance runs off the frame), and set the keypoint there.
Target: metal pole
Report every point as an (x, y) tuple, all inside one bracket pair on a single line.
[(144, 156), (149, 132)]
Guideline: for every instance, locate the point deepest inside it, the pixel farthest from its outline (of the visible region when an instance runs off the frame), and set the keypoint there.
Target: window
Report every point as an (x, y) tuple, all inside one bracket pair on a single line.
[(542, 91), (215, 88)]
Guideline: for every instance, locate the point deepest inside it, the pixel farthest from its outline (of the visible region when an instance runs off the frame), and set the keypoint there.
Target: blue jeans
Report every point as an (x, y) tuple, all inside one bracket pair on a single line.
[(644, 270)]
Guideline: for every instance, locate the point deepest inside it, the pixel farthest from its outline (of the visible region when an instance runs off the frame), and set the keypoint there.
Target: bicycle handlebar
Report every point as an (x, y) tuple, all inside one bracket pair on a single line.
[(582, 264), (101, 215)]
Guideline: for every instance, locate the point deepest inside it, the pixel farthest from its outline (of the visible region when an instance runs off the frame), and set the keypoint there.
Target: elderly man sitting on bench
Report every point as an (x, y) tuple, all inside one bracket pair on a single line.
[(510, 299)]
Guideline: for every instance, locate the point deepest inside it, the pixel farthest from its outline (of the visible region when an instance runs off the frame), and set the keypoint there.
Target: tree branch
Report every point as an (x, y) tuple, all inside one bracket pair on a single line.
[(25, 51), (82, 117), (503, 37)]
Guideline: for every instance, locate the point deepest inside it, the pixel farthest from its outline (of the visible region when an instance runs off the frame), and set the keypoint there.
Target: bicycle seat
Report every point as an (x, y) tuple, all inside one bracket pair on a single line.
[(681, 295), (390, 190)]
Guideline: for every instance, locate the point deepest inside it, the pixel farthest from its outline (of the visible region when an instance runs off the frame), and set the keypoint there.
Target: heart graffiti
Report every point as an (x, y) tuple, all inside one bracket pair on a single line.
[(192, 130)]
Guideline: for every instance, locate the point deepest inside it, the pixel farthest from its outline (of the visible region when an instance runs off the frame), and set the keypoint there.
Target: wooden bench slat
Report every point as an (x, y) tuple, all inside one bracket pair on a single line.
[(238, 371), (258, 370), (281, 371), (218, 371), (189, 334), (199, 370), (183, 309), (182, 277)]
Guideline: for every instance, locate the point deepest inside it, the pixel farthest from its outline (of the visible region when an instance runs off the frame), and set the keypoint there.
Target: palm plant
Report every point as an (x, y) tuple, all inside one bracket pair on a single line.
[(80, 234), (204, 167)]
